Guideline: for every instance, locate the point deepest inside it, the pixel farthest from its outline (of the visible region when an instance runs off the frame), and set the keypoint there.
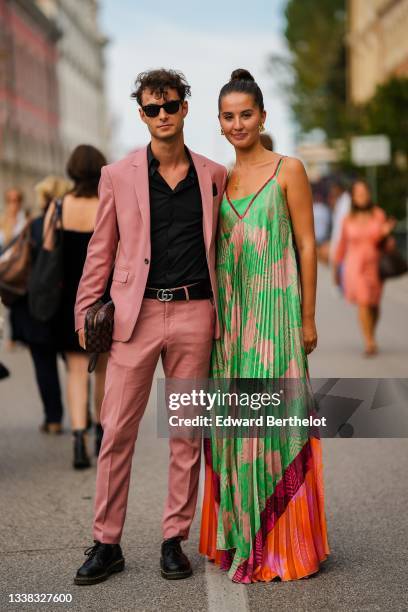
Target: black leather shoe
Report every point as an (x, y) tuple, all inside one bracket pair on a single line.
[(174, 563), (103, 560), (4, 372)]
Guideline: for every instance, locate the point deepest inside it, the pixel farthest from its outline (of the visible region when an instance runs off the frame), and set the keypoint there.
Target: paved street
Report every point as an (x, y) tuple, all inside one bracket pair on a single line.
[(46, 507)]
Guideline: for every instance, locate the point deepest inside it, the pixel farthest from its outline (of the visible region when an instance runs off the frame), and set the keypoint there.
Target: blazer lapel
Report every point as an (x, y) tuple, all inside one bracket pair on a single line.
[(205, 182), (142, 185)]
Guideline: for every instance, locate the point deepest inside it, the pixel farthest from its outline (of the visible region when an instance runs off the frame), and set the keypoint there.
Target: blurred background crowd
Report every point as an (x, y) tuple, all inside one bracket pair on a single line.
[(342, 76)]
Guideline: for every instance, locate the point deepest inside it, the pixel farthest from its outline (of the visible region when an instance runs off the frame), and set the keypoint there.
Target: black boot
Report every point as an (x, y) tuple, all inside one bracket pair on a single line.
[(4, 372), (174, 563), (98, 438), (81, 459), (103, 560)]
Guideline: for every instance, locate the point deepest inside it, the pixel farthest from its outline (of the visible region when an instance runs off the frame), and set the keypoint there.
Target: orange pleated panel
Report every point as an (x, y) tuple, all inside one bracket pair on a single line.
[(208, 533), (297, 543)]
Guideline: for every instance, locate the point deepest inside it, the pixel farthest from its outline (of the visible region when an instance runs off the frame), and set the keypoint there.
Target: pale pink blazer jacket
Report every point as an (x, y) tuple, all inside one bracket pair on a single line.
[(121, 239)]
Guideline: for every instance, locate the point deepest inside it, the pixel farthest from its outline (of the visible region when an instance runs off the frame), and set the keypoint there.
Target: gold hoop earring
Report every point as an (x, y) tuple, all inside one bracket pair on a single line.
[(261, 127), (222, 132)]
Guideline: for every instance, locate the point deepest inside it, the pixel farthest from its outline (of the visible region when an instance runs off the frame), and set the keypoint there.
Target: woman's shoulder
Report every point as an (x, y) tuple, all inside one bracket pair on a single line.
[(292, 165), (291, 170)]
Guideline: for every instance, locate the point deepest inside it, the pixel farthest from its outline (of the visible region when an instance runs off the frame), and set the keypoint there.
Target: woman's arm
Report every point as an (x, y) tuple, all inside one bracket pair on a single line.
[(300, 204), (340, 251)]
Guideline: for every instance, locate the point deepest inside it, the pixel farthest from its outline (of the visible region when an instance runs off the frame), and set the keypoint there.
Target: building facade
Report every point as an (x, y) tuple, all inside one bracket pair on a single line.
[(29, 107), (80, 69), (52, 91), (377, 44)]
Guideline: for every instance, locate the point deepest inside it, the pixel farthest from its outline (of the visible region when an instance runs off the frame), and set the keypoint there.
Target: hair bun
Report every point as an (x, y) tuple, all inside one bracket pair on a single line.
[(240, 74)]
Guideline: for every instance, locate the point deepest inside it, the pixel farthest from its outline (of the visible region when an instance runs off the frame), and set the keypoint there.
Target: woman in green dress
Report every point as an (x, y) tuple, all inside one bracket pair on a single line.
[(263, 511)]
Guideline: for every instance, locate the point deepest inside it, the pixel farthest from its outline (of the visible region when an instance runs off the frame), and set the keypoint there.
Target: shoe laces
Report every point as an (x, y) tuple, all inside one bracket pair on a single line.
[(173, 543), (92, 550)]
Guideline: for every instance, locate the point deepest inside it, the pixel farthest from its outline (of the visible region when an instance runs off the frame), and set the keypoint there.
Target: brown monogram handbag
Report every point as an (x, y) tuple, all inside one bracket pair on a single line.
[(98, 330)]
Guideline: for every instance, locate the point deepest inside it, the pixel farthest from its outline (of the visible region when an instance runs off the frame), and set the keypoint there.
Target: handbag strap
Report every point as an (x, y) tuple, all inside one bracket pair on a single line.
[(57, 216), (10, 244), (58, 210), (16, 238)]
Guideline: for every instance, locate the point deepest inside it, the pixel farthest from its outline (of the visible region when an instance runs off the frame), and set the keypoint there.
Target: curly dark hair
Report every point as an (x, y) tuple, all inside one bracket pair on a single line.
[(158, 81)]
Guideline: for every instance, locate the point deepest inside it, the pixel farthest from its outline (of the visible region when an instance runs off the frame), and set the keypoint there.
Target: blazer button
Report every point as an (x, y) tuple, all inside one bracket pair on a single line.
[(146, 261)]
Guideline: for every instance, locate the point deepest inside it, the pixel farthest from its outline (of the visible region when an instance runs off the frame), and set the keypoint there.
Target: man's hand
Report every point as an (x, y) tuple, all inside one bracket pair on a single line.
[(81, 338)]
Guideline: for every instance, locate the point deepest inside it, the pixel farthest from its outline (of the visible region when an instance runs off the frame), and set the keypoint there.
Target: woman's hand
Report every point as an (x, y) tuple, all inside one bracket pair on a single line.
[(388, 226), (309, 335)]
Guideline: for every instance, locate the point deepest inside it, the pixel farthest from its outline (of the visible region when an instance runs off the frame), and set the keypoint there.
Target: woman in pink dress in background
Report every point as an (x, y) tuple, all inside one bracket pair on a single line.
[(359, 249)]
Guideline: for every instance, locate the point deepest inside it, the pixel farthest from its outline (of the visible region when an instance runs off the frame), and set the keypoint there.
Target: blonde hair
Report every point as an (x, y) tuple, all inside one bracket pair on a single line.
[(50, 188)]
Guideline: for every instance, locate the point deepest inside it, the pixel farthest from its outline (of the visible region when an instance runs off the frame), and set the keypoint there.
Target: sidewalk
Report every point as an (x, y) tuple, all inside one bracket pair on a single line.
[(340, 346), (46, 507)]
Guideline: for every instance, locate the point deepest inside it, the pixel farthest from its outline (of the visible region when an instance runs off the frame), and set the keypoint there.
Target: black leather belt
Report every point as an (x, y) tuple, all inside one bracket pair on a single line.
[(196, 291)]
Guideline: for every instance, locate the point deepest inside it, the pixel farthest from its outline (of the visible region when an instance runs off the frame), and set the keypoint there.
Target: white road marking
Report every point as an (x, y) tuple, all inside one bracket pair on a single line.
[(223, 594)]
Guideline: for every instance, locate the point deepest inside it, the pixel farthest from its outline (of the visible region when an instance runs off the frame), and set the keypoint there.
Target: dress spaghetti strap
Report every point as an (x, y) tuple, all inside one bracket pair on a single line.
[(278, 166)]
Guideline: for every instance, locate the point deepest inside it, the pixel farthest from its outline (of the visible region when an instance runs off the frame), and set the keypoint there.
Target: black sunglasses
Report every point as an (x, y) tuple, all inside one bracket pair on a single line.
[(153, 110)]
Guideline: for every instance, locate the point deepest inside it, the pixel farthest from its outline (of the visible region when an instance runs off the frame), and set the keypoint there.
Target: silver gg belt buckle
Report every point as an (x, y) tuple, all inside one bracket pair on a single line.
[(164, 295)]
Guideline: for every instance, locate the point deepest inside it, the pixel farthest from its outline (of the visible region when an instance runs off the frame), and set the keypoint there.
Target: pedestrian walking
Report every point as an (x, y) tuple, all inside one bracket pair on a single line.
[(322, 222), (4, 372), (79, 208), (363, 230), (41, 337), (12, 222), (340, 202)]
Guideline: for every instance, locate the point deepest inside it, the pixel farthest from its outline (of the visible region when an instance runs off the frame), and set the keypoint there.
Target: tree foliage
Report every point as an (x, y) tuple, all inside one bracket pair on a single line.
[(386, 114), (315, 33), (315, 80)]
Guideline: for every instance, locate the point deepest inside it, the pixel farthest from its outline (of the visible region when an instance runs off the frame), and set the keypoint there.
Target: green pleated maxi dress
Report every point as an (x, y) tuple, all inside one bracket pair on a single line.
[(263, 511)]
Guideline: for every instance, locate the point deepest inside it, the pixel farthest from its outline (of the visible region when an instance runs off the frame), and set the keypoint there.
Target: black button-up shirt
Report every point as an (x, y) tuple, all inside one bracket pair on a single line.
[(176, 229)]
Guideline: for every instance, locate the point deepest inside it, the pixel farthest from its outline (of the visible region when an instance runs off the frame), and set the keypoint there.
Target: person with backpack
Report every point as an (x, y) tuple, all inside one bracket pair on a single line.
[(73, 231), (40, 336)]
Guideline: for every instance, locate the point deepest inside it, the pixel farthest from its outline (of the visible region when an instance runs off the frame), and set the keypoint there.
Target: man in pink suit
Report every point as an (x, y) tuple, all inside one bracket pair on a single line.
[(155, 228)]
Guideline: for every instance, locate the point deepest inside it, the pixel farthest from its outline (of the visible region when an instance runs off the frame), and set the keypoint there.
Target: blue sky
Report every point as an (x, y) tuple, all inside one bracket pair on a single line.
[(219, 15), (206, 40)]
